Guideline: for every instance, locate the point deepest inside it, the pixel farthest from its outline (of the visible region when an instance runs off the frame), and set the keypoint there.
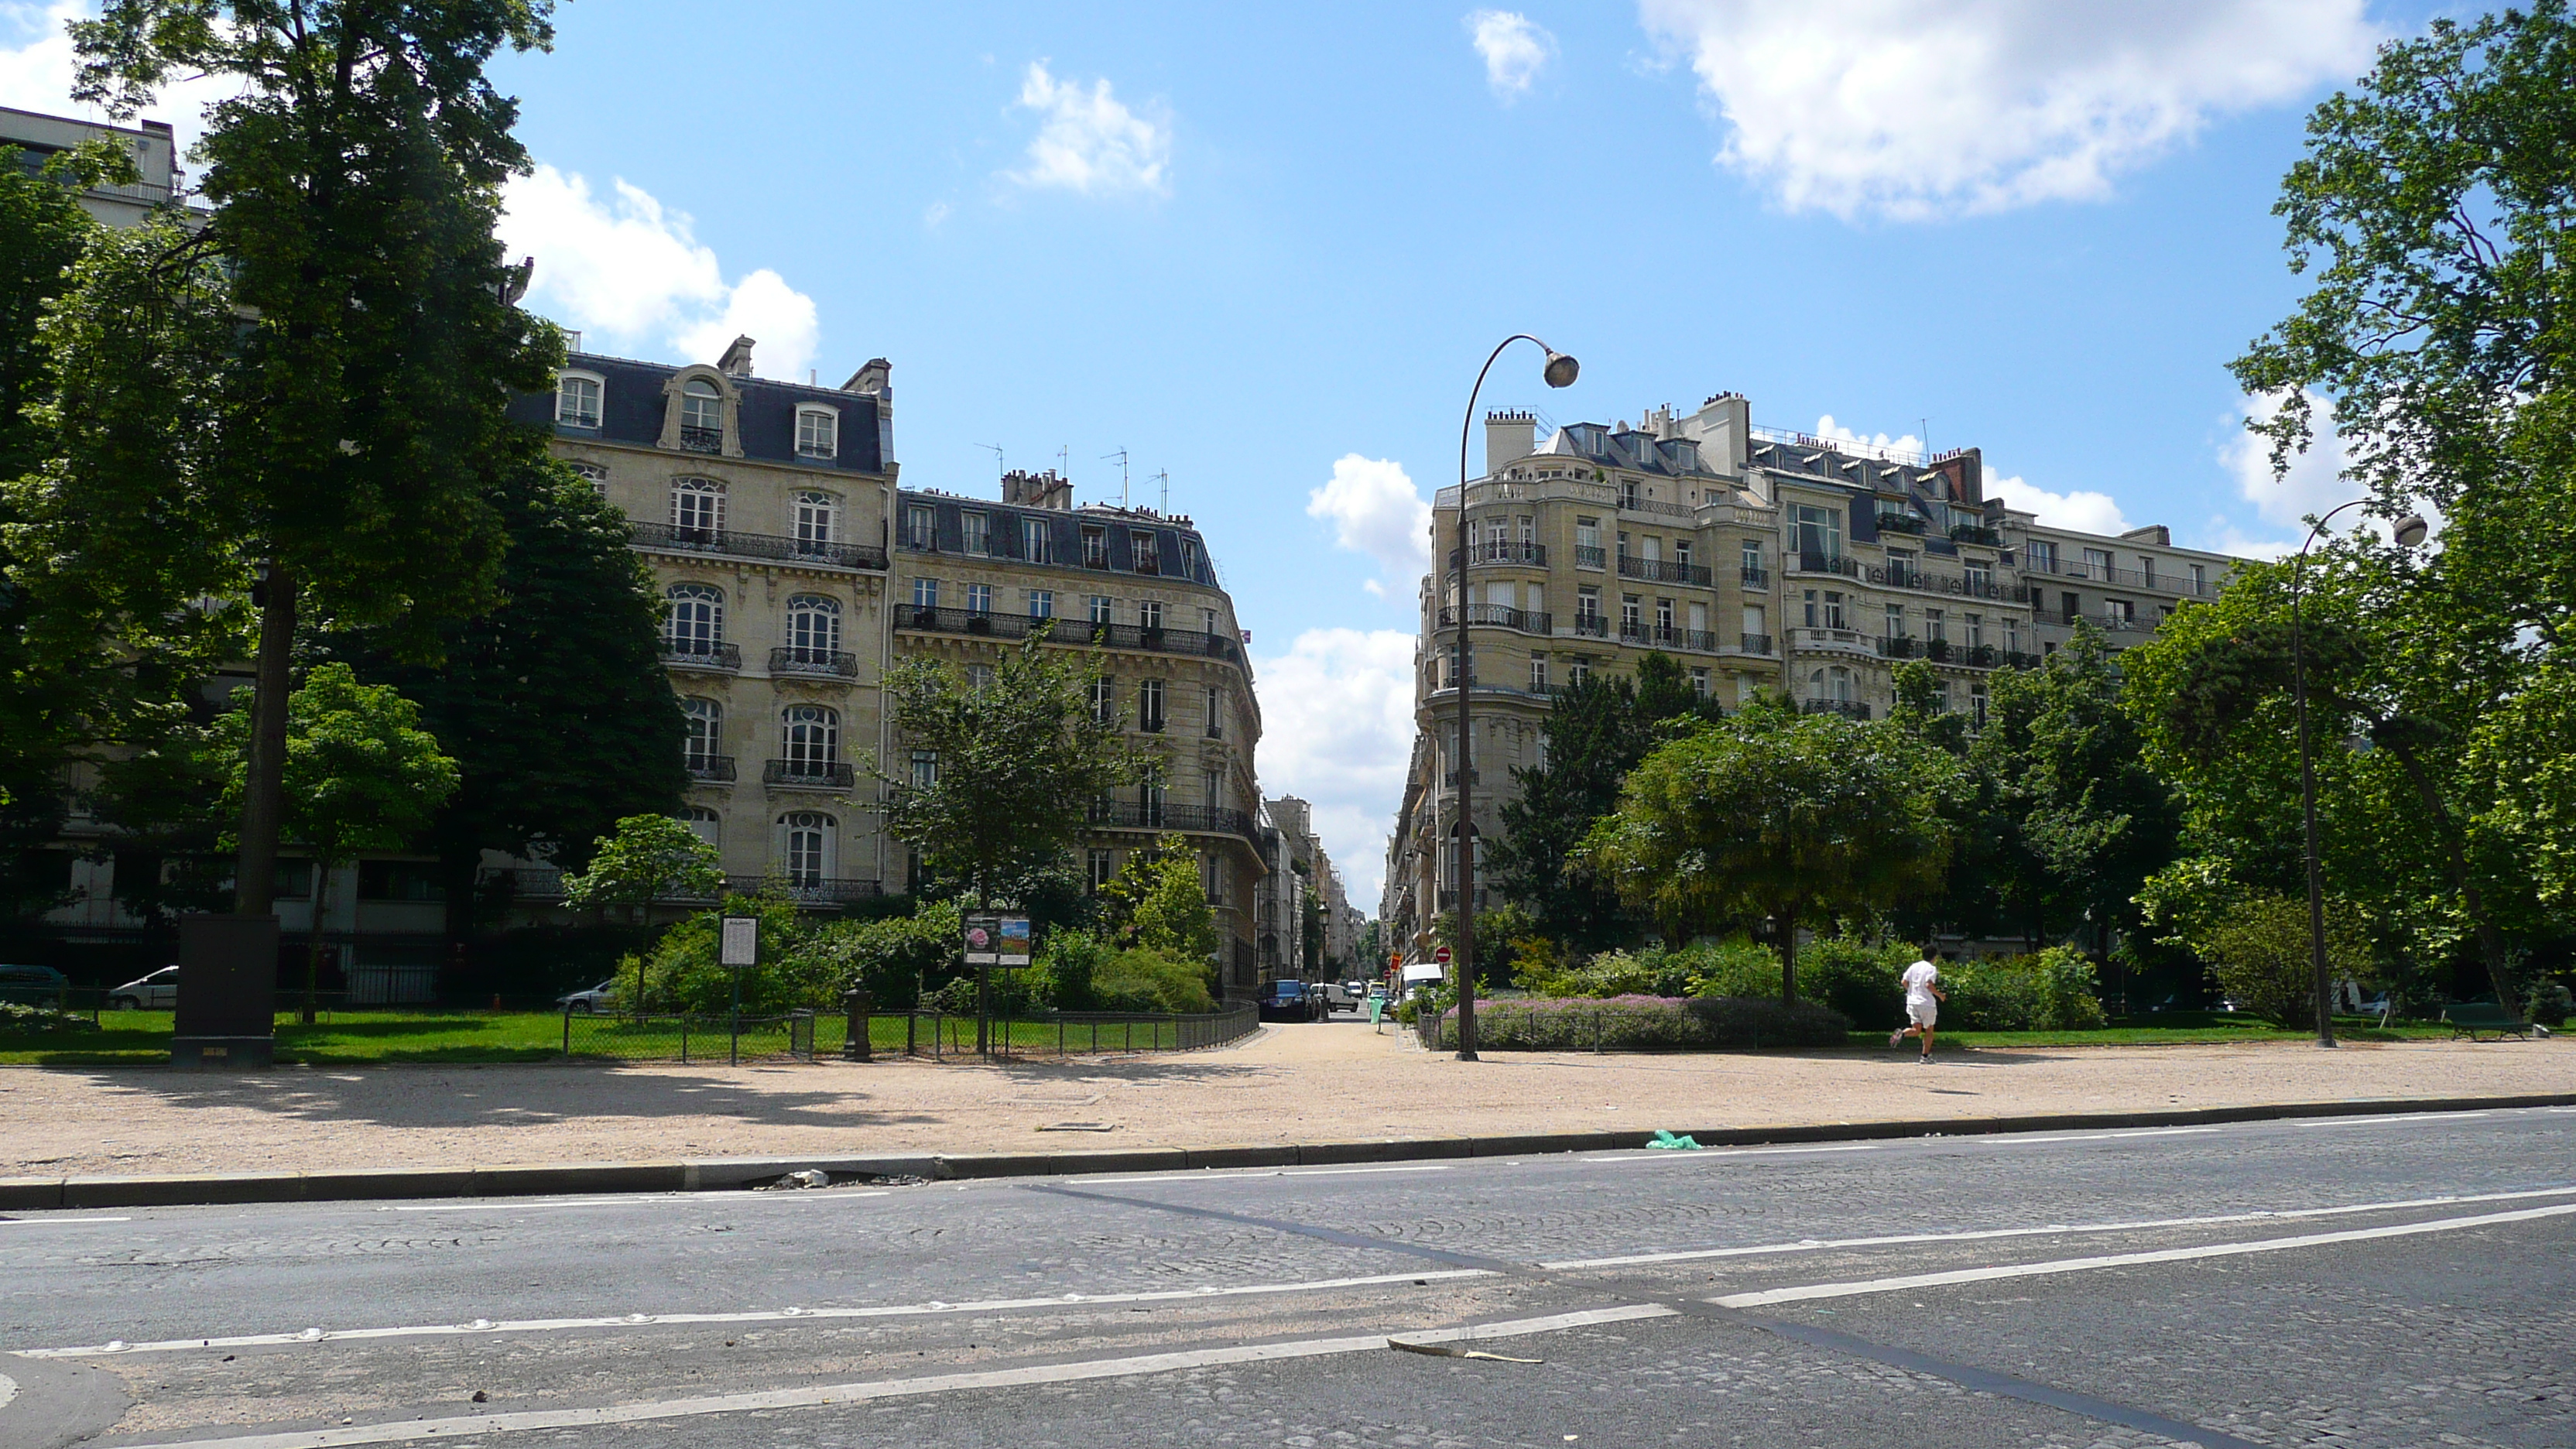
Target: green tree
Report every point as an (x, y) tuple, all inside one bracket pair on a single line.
[(644, 859), (2258, 949), (554, 701), (1159, 902), (1018, 761), (1779, 820), (353, 417), (361, 775), (1596, 732)]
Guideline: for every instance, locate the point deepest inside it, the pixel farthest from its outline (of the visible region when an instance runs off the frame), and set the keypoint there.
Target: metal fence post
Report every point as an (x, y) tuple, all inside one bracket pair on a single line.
[(912, 1033), (855, 1048), (567, 1031), (684, 1041)]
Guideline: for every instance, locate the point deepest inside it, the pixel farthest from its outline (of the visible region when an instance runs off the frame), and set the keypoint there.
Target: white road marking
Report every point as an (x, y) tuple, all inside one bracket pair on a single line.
[(2123, 1260), (2016, 1140), (2373, 1120), (57, 1222), (1238, 1174), (494, 1205), (769, 1315), (524, 1421), (8, 1390), (1725, 1154), (1811, 1245)]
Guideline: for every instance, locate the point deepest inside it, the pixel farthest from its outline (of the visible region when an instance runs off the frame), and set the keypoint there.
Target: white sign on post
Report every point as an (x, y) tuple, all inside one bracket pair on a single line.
[(741, 942)]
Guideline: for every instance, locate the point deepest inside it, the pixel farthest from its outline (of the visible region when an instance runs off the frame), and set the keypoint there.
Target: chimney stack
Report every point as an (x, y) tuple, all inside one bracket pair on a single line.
[(736, 361), (1509, 437)]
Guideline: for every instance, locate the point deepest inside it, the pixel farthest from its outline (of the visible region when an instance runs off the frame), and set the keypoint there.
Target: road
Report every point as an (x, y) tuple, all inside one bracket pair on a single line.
[(2395, 1281)]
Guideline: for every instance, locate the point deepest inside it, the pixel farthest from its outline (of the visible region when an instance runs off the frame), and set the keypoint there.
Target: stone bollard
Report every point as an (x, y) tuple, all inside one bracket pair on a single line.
[(856, 1048)]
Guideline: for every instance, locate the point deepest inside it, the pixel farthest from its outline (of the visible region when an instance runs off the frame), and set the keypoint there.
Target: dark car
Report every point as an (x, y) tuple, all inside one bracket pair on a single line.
[(31, 985), (1290, 1001)]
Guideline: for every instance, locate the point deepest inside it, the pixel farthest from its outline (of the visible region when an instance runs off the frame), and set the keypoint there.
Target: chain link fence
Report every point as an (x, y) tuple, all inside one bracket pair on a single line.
[(690, 1038)]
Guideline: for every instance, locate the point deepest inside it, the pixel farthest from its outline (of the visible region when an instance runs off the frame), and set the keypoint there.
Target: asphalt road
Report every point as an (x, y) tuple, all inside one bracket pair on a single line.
[(2396, 1281)]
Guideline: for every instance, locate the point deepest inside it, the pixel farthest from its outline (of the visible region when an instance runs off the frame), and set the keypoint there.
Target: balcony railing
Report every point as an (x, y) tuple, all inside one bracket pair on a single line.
[(1449, 778), (702, 440), (673, 538), (1903, 576), (2034, 562), (696, 654), (793, 660), (1449, 898), (1662, 571), (1596, 625), (809, 775), (545, 883), (1896, 647), (1188, 819), (1847, 708), (1069, 631), (1506, 552), (1754, 578), (1757, 643), (1634, 503), (1975, 533), (2015, 659), (1501, 617), (716, 768), (1825, 563), (1901, 523), (1647, 636), (1590, 556), (1831, 641)]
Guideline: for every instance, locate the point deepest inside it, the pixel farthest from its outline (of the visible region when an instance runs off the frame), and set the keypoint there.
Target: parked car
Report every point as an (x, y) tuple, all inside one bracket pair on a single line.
[(31, 985), (1290, 1000), (156, 992), (602, 997), (1338, 996)]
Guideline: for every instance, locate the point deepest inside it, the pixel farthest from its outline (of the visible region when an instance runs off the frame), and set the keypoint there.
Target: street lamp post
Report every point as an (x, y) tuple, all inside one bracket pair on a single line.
[(1560, 371), (2409, 532)]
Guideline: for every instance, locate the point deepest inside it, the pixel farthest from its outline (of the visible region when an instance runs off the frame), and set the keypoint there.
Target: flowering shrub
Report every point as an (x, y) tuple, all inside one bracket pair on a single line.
[(1641, 1023)]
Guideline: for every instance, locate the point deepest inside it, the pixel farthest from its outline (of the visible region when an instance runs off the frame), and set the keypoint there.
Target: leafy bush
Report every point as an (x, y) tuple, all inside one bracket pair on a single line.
[(1734, 968), (2550, 1004), (2052, 991), (19, 1019), (895, 959), (2259, 951), (1653, 972), (682, 975), (1141, 980), (1642, 1023), (1862, 981)]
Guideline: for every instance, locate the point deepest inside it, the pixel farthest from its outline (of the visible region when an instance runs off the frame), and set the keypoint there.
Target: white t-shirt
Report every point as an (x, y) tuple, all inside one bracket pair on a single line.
[(1918, 983)]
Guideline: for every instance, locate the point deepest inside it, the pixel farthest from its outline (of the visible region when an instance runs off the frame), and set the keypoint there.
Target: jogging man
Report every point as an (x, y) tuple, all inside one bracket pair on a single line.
[(1923, 996)]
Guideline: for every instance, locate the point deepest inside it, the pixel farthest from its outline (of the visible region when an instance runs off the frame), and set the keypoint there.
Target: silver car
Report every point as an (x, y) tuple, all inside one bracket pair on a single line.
[(602, 997), (156, 992)]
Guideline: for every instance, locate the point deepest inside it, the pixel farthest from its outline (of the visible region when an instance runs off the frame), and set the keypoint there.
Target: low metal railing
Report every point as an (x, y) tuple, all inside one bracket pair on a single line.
[(831, 663), (724, 542)]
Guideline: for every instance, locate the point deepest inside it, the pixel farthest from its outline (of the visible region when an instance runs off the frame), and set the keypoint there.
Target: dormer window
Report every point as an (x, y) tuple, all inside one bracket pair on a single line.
[(701, 417), (577, 396), (818, 433)]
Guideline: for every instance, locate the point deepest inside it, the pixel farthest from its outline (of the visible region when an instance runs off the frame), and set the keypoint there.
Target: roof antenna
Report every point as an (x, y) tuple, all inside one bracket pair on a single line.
[(1121, 456), (997, 457), (1165, 478)]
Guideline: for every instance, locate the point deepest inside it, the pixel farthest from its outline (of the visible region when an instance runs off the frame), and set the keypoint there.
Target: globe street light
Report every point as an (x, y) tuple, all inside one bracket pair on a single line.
[(1560, 371), (2410, 531)]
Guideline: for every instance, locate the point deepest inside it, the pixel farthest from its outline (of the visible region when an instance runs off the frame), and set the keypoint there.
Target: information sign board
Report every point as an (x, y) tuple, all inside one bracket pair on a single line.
[(993, 939), (740, 942)]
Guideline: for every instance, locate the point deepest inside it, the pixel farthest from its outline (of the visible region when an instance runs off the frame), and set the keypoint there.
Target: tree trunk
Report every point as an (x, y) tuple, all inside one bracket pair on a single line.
[(2472, 900), (313, 937), (1787, 925), (263, 783)]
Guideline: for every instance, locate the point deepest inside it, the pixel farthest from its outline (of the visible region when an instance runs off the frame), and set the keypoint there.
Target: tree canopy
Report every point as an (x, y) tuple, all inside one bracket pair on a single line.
[(644, 858)]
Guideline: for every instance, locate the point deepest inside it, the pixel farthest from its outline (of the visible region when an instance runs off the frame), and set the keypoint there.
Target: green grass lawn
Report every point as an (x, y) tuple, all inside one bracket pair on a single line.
[(347, 1038)]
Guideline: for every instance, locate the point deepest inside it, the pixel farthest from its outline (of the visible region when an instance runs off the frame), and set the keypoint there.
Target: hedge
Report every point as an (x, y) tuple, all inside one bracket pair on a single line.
[(1642, 1023)]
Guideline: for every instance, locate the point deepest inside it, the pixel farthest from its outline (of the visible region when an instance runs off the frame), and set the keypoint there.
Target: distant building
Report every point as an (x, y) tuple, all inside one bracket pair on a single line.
[(155, 152)]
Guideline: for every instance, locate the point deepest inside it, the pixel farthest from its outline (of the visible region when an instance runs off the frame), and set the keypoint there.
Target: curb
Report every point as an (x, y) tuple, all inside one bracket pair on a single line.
[(724, 1173)]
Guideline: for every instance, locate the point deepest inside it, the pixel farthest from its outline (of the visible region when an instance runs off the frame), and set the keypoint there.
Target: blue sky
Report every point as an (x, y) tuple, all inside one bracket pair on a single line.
[(1264, 252)]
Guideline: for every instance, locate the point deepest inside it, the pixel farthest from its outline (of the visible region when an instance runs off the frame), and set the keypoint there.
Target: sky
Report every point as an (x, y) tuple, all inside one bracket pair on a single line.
[(1263, 251)]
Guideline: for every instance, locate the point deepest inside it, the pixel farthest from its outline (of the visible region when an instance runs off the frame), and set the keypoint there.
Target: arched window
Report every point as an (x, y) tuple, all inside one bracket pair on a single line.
[(697, 509), (807, 847), (706, 733), (818, 432), (577, 396), (818, 519), (813, 739), (701, 417), (696, 618), (813, 628), (593, 474), (704, 823)]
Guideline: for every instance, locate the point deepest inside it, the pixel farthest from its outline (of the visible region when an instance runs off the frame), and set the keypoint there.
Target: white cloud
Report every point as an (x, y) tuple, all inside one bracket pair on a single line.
[(630, 269), (2315, 482), (1337, 731), (1514, 48), (1834, 432), (36, 64), (1910, 108), (1089, 141), (933, 217), (2084, 511), (1376, 512)]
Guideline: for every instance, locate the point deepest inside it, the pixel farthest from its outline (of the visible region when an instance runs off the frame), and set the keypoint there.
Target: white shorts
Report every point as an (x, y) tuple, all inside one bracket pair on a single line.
[(1922, 1013)]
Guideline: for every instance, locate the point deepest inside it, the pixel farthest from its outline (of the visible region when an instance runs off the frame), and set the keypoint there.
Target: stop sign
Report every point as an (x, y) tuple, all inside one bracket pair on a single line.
[(1441, 955)]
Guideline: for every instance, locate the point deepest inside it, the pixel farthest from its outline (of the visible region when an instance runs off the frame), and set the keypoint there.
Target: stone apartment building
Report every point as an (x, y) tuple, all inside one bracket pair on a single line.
[(1756, 559), (1306, 873), (154, 151)]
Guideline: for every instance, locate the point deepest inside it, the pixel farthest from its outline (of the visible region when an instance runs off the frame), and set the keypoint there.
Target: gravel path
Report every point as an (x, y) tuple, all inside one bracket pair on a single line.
[(1300, 1083)]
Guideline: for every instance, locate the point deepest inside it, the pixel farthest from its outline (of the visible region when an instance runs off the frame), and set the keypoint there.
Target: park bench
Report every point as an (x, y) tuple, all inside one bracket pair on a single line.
[(2468, 1018)]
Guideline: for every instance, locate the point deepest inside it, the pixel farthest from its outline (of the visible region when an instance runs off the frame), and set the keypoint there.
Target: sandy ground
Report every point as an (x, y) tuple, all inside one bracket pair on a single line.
[(1300, 1083)]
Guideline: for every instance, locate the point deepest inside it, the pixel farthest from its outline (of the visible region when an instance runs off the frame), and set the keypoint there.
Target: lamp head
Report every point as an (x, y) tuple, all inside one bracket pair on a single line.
[(2411, 530), (1561, 369)]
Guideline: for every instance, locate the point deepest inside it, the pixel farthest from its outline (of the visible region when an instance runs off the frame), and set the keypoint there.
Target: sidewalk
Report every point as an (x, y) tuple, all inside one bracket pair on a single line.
[(1335, 1082)]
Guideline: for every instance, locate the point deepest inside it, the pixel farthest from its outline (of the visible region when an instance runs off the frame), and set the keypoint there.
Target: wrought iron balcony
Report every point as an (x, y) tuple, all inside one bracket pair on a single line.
[(1596, 625), (1506, 552), (1192, 642), (809, 774), (2015, 659), (1825, 563), (1590, 557), (1897, 647), (1847, 708), (723, 542), (1757, 643), (1832, 641), (545, 883), (1662, 571), (702, 440), (1449, 778), (1187, 819), (715, 768), (815, 890), (1648, 636), (1902, 523), (1754, 578), (699, 654), (1500, 617), (829, 662), (1975, 533)]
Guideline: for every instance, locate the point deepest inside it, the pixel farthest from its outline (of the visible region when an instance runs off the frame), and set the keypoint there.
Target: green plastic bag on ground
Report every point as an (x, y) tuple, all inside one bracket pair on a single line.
[(1667, 1140)]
